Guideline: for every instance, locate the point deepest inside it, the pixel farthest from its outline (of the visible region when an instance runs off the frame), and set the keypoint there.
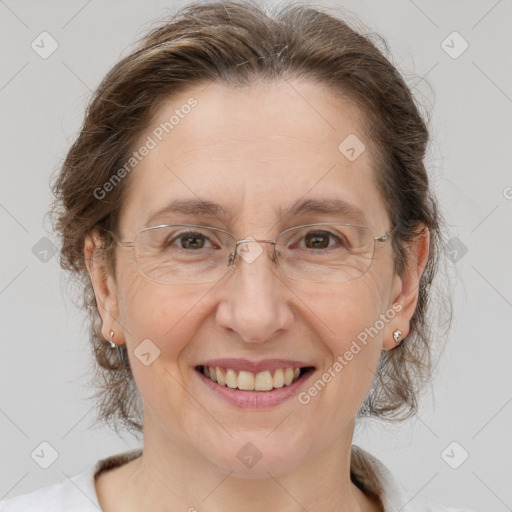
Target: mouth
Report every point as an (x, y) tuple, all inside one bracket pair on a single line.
[(266, 380)]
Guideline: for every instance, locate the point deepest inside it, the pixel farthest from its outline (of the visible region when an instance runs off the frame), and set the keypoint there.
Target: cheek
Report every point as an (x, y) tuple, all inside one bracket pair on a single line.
[(360, 320), (341, 312), (159, 322), (350, 327), (163, 314)]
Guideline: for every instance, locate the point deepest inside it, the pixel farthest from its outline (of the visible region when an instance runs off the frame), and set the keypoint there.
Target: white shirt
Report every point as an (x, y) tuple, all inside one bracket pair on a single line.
[(78, 493)]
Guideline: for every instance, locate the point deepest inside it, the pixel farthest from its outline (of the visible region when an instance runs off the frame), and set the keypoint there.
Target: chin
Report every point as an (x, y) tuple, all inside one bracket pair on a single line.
[(257, 455)]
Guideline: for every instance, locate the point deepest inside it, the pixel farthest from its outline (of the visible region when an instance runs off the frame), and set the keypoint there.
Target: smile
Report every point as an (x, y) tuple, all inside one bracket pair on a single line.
[(243, 380), (254, 384)]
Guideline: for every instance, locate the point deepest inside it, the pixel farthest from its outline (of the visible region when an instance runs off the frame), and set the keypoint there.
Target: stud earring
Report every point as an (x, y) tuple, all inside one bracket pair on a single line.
[(111, 341), (396, 336)]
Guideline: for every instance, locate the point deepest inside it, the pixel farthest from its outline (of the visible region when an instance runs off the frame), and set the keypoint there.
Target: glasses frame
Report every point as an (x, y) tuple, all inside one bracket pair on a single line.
[(231, 264)]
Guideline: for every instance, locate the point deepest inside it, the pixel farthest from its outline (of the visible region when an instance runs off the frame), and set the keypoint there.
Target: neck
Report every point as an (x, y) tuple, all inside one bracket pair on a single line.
[(175, 478)]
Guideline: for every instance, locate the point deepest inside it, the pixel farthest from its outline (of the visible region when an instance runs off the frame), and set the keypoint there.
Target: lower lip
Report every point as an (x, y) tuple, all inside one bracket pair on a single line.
[(255, 399)]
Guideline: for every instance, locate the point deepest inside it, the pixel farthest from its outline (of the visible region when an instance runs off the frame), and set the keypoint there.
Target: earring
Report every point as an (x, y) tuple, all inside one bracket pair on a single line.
[(396, 336), (111, 341)]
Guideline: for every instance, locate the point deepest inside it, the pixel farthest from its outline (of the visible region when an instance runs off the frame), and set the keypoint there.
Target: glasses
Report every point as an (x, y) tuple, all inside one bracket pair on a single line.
[(193, 254)]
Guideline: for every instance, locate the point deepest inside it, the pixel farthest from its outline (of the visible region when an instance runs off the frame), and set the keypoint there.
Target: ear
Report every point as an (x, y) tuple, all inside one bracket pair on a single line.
[(104, 287), (406, 288)]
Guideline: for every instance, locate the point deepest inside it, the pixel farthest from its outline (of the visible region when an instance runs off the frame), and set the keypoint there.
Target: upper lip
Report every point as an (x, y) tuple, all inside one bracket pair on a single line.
[(255, 366)]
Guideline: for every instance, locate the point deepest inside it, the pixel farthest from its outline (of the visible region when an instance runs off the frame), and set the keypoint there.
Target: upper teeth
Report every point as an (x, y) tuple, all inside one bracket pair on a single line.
[(248, 381)]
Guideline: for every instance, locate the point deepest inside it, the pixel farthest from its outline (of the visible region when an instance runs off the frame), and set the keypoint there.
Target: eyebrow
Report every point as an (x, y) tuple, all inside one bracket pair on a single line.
[(326, 206), (207, 208)]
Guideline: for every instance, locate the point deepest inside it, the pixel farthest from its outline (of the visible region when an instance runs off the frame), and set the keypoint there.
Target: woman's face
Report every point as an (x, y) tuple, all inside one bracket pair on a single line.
[(255, 152)]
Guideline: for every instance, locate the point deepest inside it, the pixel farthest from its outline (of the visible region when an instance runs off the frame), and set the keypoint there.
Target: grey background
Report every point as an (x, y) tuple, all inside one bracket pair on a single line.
[(45, 361)]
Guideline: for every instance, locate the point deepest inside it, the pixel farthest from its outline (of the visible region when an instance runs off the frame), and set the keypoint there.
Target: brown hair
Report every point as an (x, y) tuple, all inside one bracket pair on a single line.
[(237, 43)]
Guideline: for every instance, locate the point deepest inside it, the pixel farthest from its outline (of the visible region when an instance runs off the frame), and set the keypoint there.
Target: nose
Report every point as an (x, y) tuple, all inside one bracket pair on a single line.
[(255, 304)]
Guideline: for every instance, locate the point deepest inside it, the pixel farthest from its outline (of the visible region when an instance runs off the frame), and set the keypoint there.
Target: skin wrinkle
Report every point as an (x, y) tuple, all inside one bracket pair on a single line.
[(251, 313)]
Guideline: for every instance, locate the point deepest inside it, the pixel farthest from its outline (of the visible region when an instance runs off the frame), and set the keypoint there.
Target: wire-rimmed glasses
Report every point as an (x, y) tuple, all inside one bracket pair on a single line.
[(194, 254)]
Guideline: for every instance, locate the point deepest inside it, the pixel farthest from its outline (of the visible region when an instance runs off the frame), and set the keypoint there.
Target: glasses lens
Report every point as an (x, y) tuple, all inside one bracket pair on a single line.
[(182, 254), (325, 252)]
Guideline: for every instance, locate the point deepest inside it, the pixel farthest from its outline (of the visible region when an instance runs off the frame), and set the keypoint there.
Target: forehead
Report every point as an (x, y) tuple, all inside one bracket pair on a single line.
[(255, 152)]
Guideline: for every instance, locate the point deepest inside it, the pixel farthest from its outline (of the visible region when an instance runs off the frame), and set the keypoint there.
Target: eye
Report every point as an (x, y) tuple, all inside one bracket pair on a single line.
[(188, 240), (321, 240)]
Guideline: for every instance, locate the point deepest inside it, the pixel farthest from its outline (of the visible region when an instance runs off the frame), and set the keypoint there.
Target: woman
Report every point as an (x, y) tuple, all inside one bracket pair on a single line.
[(248, 209)]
